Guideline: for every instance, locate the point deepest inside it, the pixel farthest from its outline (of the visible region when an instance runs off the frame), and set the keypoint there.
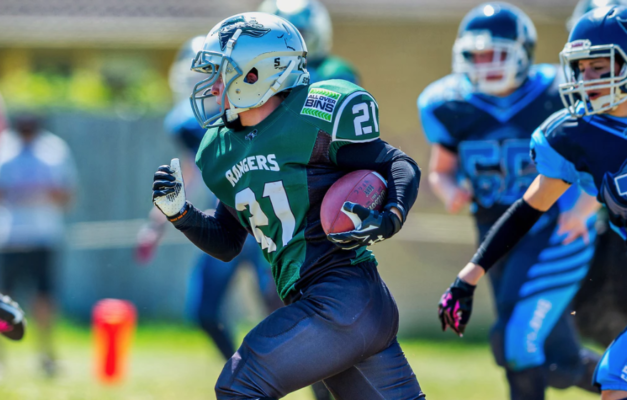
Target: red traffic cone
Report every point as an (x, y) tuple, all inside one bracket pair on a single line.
[(113, 326)]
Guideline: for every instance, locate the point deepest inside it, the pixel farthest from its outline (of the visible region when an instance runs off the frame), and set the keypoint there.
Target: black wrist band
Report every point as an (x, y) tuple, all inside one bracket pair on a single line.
[(464, 286)]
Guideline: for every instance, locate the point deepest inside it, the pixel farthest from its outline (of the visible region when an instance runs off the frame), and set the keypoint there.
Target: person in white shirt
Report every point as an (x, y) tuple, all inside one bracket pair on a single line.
[(37, 182)]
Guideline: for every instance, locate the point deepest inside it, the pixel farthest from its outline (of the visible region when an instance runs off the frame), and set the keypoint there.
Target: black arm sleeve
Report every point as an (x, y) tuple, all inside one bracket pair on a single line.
[(400, 170), (506, 233), (219, 235)]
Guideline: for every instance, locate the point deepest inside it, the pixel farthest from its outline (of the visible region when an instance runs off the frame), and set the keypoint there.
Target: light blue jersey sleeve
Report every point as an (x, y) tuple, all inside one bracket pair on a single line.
[(549, 162), (428, 101)]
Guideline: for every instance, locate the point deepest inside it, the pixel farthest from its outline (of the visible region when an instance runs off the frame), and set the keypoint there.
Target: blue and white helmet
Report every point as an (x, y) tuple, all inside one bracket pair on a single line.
[(265, 44), (312, 20), (601, 33), (182, 79), (505, 30), (585, 6)]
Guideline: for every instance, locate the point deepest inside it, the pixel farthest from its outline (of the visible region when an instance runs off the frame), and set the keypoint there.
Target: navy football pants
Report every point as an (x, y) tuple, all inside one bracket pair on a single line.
[(341, 329)]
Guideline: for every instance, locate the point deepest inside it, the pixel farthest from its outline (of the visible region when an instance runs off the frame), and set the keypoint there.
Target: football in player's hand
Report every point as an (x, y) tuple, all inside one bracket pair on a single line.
[(363, 187)]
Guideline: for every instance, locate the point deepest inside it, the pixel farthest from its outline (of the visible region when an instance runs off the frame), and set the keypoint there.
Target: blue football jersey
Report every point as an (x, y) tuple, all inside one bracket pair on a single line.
[(182, 124), (490, 134), (590, 151)]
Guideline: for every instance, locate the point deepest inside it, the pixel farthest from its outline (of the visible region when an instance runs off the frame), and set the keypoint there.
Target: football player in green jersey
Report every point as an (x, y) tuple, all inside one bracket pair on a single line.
[(270, 154), (312, 20)]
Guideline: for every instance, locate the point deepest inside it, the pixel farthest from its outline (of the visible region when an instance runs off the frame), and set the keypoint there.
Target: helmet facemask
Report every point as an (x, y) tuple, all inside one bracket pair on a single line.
[(202, 97), (507, 70), (574, 92), (234, 48)]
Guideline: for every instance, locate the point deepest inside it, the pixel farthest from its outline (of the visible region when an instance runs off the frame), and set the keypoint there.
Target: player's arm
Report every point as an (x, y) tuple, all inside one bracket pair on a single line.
[(557, 173), (356, 145), (443, 167), (219, 235), (574, 222), (444, 160), (403, 177), (456, 304)]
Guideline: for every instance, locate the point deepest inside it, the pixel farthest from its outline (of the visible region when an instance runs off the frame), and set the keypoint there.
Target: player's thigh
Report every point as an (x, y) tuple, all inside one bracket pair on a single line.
[(344, 318), (386, 375), (611, 372)]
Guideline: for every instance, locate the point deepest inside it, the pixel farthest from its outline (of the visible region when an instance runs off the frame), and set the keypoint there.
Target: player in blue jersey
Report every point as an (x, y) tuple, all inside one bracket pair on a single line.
[(479, 121), (312, 20), (210, 277), (584, 144), (601, 301)]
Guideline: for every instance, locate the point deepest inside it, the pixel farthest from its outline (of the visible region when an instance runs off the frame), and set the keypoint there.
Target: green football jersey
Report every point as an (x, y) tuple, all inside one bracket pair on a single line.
[(332, 67), (273, 176)]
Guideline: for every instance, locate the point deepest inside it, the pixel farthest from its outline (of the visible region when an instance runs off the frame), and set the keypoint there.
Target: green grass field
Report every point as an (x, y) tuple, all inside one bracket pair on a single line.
[(176, 363)]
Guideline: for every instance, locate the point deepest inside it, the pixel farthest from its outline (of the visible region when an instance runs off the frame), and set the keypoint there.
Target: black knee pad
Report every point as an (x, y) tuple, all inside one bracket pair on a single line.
[(497, 343)]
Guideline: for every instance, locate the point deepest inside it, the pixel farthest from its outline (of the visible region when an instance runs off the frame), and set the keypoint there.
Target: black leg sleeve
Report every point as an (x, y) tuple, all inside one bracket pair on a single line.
[(219, 235)]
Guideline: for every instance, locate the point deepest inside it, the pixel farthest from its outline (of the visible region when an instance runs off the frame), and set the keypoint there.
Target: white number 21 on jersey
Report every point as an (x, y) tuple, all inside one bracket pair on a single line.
[(281, 207), (364, 117)]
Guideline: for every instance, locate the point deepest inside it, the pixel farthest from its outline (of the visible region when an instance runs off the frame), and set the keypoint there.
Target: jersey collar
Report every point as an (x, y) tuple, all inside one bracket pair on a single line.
[(504, 108)]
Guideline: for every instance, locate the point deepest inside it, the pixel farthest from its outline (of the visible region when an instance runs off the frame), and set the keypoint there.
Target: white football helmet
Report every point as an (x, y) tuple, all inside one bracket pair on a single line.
[(182, 80), (508, 33), (262, 43), (312, 20)]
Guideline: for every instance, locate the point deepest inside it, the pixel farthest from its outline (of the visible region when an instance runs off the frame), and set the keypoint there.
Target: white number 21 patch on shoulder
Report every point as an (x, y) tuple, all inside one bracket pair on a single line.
[(320, 104)]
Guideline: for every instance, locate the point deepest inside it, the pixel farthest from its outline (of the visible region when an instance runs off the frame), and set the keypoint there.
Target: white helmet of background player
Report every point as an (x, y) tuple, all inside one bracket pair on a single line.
[(182, 80), (312, 20), (504, 31), (251, 42)]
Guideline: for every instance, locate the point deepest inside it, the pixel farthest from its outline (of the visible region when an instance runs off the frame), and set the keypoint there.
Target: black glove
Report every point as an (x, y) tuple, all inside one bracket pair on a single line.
[(456, 306), (371, 227), (12, 321)]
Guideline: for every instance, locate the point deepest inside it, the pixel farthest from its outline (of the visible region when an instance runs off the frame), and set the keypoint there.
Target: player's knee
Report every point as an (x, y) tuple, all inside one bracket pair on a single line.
[(497, 342), (224, 385), (515, 349), (236, 381)]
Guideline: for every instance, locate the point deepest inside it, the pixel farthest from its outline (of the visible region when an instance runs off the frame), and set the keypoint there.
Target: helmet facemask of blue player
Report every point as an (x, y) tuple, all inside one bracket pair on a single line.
[(494, 48), (265, 45), (593, 96)]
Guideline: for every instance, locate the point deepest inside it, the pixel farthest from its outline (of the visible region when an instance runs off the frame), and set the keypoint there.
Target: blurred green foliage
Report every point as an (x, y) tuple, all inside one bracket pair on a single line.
[(85, 90)]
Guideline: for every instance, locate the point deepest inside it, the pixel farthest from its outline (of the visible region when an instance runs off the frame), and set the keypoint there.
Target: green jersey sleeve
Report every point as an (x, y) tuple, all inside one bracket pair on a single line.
[(344, 110)]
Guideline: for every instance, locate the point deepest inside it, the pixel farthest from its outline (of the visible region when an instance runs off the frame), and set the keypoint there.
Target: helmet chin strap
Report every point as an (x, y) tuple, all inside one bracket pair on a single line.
[(233, 113), (616, 99)]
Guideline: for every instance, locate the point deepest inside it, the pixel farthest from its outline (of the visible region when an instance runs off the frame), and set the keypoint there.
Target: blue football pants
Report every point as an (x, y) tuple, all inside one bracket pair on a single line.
[(534, 336)]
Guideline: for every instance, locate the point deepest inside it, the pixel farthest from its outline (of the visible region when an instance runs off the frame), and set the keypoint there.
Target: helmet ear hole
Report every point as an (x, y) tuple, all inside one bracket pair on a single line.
[(252, 76)]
